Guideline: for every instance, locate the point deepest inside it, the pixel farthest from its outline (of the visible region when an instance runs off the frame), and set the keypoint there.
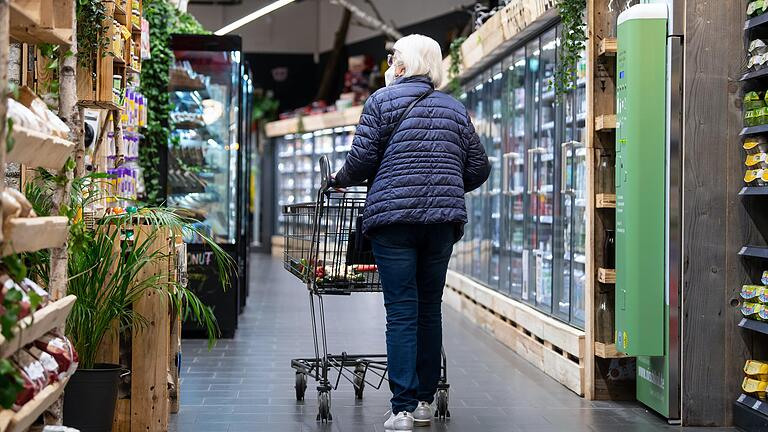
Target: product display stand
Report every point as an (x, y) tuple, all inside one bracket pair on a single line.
[(603, 360), (749, 412)]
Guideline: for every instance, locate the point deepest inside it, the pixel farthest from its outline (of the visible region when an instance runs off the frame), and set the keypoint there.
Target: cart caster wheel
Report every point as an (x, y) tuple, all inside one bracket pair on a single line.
[(301, 385), (359, 381), (441, 400), (324, 404)]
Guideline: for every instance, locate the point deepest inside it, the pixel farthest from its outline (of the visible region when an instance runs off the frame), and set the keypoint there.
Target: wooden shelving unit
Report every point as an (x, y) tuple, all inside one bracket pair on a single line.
[(608, 47), (36, 325), (605, 201), (42, 21), (605, 123), (26, 416), (606, 276), (33, 148)]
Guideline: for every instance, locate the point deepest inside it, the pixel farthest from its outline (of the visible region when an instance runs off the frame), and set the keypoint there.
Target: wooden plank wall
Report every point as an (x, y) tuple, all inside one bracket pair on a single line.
[(716, 223)]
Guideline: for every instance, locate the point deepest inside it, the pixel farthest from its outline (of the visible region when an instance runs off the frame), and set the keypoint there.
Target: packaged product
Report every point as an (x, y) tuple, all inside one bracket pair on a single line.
[(753, 101), (758, 177), (756, 370), (751, 293), (32, 367), (754, 387), (757, 159), (27, 392), (48, 362), (757, 61), (756, 8), (9, 288), (751, 309), (30, 286), (755, 144), (58, 346), (764, 278), (749, 118), (757, 46)]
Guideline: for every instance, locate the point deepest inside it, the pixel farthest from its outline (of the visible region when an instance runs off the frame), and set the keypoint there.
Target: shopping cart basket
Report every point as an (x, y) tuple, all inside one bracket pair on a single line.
[(325, 249)]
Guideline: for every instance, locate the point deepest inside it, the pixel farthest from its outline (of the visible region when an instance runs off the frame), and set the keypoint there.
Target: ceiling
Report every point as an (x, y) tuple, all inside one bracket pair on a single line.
[(309, 26)]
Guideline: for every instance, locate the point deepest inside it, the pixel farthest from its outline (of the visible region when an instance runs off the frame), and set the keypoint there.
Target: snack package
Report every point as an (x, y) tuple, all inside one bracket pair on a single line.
[(757, 46), (757, 7), (9, 285), (27, 392), (30, 286), (758, 177), (754, 387), (752, 293), (61, 349), (755, 144), (757, 159), (49, 364), (32, 367), (752, 310), (756, 370), (753, 101)]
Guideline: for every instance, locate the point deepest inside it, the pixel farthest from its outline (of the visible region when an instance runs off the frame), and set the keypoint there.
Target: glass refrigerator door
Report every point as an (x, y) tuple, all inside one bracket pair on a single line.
[(493, 191), (202, 157), (461, 249), (475, 204), (513, 182)]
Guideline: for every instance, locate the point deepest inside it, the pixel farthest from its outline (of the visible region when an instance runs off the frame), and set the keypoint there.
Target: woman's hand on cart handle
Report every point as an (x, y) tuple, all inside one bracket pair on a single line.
[(332, 183)]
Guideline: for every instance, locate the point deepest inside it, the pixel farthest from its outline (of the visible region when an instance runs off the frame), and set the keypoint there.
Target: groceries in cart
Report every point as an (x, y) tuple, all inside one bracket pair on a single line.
[(334, 273)]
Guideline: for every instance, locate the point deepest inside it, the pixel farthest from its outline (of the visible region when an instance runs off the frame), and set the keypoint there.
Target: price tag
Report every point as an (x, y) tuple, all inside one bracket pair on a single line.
[(756, 406), (741, 324), (741, 398)]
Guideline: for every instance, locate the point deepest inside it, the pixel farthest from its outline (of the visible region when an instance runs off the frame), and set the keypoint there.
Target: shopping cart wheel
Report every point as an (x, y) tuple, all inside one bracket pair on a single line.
[(301, 385), (441, 400), (324, 405), (359, 381)]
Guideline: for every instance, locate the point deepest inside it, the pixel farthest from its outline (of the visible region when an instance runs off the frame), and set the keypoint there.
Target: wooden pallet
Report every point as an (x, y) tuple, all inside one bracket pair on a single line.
[(554, 347), (36, 325), (20, 421)]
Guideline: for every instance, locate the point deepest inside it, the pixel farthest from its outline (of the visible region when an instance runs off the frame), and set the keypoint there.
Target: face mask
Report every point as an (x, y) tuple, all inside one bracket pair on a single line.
[(389, 76)]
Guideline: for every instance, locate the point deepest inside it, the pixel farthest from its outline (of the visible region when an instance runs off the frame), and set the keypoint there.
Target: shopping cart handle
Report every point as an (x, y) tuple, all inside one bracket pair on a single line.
[(325, 173)]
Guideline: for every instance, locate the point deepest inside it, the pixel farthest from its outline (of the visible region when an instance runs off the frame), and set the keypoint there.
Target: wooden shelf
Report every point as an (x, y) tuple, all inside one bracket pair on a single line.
[(20, 421), (606, 276), (36, 149), (348, 117), (34, 22), (120, 15), (107, 105), (608, 47), (135, 29), (33, 234), (130, 69), (605, 123), (36, 325), (605, 201), (607, 351)]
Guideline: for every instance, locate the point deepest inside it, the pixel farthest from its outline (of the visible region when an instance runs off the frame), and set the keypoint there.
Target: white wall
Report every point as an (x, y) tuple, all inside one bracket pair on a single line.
[(309, 26)]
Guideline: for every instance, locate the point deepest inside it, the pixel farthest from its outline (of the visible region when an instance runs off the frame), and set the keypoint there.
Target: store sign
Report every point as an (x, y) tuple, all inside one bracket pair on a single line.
[(199, 258)]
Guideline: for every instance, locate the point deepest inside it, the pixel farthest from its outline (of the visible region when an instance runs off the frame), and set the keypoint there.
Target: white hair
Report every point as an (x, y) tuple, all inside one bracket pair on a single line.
[(420, 55)]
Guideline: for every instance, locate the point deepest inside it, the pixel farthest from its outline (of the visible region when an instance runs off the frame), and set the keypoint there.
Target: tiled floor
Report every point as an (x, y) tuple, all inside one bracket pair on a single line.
[(246, 384)]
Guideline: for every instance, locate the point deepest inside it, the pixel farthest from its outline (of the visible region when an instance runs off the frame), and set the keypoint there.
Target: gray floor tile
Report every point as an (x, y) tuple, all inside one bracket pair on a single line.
[(246, 383)]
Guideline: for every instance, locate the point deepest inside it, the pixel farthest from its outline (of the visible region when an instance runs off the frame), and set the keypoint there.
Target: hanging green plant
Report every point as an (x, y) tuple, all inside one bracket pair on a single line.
[(572, 43), (454, 85), (91, 32)]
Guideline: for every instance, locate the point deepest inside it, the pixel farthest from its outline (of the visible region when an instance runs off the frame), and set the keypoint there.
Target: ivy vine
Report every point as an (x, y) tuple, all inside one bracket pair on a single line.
[(454, 86), (572, 43), (164, 20), (91, 31)]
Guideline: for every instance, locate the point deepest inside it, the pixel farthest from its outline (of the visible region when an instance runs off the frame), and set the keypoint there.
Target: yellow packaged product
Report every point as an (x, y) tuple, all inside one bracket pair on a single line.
[(752, 293), (756, 370), (755, 144), (752, 310), (757, 159), (754, 387)]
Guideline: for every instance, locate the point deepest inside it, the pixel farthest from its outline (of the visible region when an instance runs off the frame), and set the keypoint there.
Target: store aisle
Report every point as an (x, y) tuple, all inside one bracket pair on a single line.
[(246, 384)]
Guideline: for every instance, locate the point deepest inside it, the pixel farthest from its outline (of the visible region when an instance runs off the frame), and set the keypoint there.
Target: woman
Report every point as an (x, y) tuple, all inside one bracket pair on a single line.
[(419, 165)]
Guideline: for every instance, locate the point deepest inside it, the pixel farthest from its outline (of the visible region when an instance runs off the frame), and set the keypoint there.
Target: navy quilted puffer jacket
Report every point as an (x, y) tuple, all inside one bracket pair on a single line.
[(433, 159)]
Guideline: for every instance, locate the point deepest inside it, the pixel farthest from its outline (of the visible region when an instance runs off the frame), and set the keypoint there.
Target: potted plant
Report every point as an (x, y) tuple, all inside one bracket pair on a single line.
[(106, 274)]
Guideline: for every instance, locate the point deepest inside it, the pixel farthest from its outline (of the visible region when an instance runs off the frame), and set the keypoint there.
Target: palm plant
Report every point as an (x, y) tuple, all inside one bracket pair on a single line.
[(107, 273)]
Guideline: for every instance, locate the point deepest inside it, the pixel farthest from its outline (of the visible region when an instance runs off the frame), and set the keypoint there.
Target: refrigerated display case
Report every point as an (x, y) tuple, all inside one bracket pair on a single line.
[(297, 168), (526, 231), (204, 165)]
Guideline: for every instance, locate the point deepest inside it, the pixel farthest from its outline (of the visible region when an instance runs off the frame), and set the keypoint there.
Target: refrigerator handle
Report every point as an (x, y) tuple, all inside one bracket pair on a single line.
[(529, 168), (563, 166), (506, 158)]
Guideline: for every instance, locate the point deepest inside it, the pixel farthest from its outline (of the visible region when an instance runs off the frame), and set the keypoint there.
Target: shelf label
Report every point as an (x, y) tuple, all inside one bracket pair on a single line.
[(756, 406)]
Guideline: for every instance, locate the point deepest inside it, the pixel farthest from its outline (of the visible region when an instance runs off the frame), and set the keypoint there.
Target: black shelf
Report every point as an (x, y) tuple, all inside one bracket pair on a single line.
[(750, 414), (754, 325), (754, 252), (756, 74), (754, 191), (756, 21), (754, 130)]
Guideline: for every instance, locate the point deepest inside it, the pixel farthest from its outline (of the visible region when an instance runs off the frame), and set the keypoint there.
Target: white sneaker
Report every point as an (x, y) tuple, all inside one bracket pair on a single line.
[(398, 423), (422, 415)]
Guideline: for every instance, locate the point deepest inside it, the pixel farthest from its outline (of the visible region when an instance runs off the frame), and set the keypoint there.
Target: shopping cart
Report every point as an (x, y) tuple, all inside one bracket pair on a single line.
[(325, 249)]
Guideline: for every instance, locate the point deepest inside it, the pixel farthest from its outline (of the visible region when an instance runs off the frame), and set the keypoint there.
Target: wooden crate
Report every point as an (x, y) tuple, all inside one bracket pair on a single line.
[(147, 406), (41, 21), (94, 85)]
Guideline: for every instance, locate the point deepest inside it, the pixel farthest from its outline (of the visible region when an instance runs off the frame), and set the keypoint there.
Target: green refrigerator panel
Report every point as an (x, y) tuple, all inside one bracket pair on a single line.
[(640, 182)]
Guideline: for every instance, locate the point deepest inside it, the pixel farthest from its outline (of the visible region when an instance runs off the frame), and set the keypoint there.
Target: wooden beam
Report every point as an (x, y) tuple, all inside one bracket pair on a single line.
[(605, 201), (608, 47), (605, 122), (606, 351), (606, 276)]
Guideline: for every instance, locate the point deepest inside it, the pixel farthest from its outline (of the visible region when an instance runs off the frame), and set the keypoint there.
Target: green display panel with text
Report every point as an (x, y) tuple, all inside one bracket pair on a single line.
[(640, 183)]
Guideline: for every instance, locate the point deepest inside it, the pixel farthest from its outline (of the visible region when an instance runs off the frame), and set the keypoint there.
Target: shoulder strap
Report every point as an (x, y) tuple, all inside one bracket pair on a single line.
[(405, 114)]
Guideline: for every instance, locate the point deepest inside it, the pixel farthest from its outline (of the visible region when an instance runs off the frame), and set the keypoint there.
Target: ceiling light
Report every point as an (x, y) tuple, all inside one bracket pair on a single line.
[(252, 16)]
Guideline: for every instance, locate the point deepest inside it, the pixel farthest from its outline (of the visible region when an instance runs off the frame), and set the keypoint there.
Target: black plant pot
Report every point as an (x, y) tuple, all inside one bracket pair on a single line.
[(90, 398)]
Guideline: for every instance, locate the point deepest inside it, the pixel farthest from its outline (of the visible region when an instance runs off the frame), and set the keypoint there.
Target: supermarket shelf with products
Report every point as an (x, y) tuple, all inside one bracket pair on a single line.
[(21, 420), (36, 325)]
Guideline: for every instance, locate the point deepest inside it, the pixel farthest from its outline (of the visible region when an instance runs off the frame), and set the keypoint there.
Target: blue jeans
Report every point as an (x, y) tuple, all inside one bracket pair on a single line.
[(412, 262)]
